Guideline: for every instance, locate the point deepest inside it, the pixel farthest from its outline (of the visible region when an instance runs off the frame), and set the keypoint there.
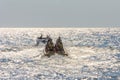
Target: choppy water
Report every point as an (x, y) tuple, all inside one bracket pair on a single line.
[(93, 54)]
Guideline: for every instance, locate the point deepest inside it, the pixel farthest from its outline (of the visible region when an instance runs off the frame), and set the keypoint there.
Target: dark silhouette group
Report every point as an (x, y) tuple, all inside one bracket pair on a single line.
[(52, 49)]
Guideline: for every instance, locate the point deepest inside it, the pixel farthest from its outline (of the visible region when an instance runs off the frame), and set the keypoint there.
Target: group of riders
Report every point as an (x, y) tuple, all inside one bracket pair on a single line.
[(50, 48)]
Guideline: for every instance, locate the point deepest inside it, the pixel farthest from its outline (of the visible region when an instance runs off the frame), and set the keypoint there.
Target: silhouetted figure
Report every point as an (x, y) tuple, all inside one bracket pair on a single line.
[(49, 48), (59, 47)]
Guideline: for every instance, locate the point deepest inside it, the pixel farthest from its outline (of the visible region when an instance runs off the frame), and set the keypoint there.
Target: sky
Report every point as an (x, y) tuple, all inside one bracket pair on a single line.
[(59, 13)]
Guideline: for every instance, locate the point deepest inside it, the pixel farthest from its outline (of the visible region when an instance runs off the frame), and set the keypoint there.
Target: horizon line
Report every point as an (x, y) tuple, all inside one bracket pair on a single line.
[(59, 27)]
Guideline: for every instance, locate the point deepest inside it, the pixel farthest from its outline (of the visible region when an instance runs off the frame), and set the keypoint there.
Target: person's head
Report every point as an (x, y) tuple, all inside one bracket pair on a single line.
[(59, 37)]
